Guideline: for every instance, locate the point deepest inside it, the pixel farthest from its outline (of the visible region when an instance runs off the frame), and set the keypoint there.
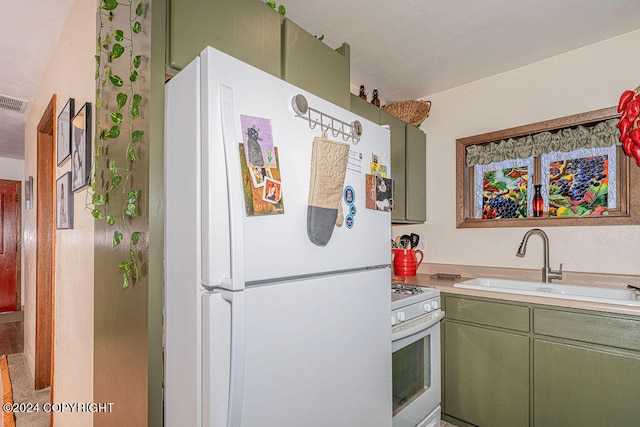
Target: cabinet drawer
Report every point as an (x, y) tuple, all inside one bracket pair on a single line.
[(621, 332), (489, 313)]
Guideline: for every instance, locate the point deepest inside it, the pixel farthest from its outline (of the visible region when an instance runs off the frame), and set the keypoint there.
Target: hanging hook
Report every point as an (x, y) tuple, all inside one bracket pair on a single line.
[(334, 131), (301, 109)]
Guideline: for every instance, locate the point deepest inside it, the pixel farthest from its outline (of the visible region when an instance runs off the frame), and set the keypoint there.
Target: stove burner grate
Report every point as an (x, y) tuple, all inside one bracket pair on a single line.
[(401, 289)]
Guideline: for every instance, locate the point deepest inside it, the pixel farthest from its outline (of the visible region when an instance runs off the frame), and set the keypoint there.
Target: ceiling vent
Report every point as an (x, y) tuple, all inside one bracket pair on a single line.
[(13, 104)]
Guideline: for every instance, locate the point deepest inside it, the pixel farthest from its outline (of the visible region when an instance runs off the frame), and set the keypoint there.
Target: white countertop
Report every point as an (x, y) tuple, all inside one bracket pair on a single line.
[(446, 285)]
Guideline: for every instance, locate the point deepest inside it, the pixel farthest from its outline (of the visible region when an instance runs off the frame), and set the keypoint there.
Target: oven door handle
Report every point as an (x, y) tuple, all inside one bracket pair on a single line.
[(437, 316)]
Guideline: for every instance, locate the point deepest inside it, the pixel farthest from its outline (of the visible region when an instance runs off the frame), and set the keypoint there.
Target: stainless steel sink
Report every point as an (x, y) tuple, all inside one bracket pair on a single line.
[(554, 290)]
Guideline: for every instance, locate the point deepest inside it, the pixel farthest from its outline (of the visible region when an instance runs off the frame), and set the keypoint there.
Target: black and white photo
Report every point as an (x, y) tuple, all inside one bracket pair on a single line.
[(64, 202), (28, 193), (63, 137), (81, 147)]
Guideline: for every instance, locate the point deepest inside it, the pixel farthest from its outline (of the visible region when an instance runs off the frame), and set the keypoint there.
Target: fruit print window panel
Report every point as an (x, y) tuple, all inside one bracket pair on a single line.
[(580, 182), (501, 189)]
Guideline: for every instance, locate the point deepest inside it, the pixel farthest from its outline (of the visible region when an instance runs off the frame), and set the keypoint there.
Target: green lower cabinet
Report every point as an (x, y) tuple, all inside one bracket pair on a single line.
[(572, 368), (580, 386), (486, 376)]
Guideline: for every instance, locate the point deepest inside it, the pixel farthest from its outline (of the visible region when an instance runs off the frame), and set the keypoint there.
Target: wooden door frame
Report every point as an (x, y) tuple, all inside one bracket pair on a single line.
[(18, 283), (45, 247)]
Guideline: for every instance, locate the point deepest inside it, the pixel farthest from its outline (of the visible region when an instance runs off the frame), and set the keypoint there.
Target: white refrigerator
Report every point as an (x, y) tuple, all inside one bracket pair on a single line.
[(262, 326)]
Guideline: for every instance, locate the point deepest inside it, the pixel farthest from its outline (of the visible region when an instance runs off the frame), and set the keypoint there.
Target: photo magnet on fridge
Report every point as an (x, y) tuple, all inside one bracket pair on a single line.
[(379, 193), (261, 186), (258, 142)]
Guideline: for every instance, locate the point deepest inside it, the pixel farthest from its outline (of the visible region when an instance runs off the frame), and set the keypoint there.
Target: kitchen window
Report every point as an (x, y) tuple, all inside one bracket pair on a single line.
[(575, 164)]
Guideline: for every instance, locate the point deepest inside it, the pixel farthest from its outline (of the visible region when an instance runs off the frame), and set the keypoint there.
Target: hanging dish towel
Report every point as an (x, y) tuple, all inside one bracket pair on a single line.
[(328, 168)]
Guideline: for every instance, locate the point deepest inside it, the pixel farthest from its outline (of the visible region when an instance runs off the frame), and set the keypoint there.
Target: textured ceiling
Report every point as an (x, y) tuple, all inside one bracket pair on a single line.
[(408, 49), (29, 30)]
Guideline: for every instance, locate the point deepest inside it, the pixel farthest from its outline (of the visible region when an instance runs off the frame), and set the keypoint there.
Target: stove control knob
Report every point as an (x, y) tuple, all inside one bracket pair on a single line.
[(435, 305), (427, 307), (393, 320), (401, 316)]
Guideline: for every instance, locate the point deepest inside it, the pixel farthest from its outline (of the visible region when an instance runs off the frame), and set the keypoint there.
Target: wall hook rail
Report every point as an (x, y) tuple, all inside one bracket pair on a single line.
[(315, 117)]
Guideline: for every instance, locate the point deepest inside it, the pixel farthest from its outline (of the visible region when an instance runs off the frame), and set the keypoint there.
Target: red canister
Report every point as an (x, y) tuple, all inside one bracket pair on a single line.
[(405, 262)]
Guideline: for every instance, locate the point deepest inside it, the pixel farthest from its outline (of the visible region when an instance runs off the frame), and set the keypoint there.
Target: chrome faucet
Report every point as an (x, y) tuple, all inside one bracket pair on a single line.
[(547, 273)]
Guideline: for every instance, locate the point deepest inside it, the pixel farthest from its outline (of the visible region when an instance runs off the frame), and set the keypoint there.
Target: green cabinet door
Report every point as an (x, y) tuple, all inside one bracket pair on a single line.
[(246, 29), (313, 66), (486, 376), (408, 170), (365, 109), (580, 386), (416, 175), (398, 164)]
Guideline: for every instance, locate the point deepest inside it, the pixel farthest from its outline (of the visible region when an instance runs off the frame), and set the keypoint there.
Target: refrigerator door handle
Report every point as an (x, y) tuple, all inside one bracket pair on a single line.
[(222, 249), (234, 190), (223, 358)]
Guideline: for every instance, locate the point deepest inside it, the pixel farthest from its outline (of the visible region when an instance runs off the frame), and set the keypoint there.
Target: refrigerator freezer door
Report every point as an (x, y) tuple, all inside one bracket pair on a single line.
[(222, 358), (216, 369), (318, 352), (277, 246)]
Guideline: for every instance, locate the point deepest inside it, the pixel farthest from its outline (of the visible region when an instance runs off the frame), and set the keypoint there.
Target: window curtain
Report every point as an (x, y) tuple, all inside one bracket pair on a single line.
[(600, 135)]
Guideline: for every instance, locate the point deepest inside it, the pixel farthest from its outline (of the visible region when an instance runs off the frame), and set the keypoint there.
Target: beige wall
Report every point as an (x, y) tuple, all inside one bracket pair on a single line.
[(582, 80), (11, 169), (69, 74)]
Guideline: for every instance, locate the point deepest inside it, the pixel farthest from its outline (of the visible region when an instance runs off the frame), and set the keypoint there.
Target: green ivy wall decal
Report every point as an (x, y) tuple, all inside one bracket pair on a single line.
[(119, 105)]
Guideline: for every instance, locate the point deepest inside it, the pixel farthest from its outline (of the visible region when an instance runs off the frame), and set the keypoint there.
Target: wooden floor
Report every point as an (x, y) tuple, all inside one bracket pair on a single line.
[(11, 337), (11, 332)]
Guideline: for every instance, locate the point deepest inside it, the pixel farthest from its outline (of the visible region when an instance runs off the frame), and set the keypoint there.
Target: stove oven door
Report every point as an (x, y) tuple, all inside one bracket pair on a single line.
[(416, 369)]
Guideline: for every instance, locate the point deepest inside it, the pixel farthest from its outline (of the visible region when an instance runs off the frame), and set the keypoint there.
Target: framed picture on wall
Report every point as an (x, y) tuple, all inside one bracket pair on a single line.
[(81, 147), (28, 193), (63, 137), (64, 202)]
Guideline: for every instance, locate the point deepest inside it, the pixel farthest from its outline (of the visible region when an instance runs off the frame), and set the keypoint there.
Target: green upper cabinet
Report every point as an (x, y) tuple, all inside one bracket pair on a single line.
[(398, 164), (246, 29), (312, 65), (408, 169), (416, 175), (365, 109)]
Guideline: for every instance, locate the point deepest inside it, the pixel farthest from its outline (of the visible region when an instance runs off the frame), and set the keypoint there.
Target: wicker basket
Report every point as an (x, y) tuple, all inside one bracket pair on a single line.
[(411, 112)]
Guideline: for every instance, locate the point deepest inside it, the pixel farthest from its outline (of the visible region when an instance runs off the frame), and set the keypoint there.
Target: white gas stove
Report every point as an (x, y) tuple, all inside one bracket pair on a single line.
[(415, 343), (409, 301)]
